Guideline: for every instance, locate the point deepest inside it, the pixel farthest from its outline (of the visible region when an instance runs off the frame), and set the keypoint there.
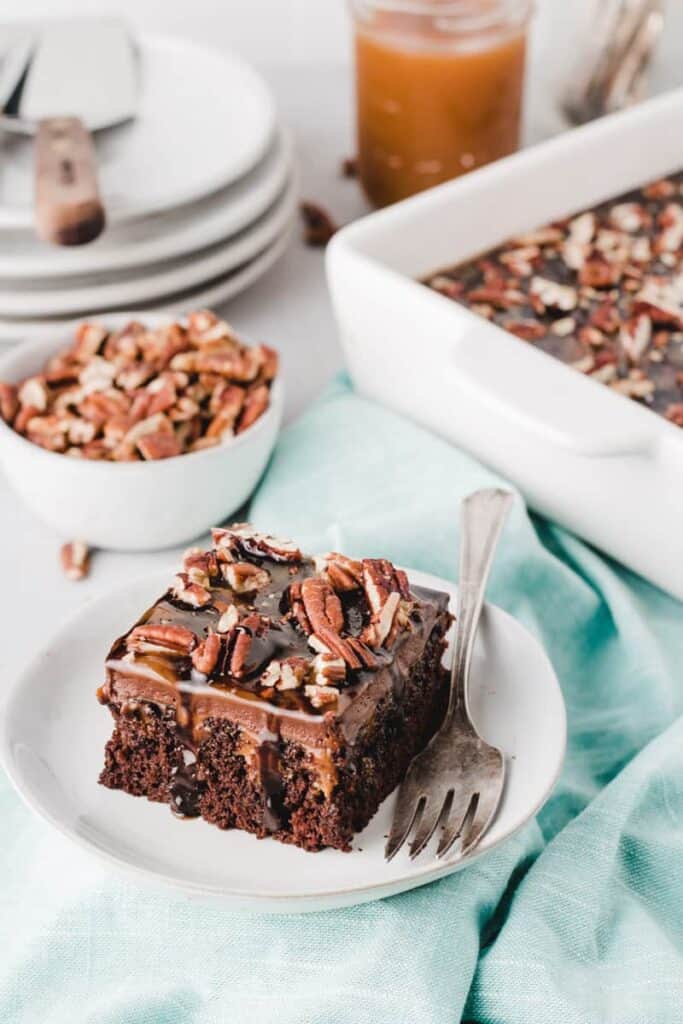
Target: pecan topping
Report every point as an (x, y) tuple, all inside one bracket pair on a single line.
[(326, 641), (242, 537), (240, 651), (160, 639), (322, 606), (245, 577), (293, 672), (296, 608), (616, 269), (321, 696), (201, 566), (190, 593), (343, 573), (205, 657), (328, 669), (228, 619), (75, 559)]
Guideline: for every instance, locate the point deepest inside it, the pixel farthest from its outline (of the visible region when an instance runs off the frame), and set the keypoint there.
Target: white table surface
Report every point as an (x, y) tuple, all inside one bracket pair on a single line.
[(288, 308)]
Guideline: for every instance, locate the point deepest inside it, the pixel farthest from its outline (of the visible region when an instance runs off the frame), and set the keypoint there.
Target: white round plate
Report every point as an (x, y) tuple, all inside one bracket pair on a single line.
[(52, 738), (208, 296), (24, 259), (204, 119), (130, 288)]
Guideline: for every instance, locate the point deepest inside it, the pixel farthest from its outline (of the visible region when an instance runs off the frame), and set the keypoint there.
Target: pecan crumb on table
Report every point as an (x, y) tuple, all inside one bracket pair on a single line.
[(143, 393), (601, 291), (75, 559), (318, 224)]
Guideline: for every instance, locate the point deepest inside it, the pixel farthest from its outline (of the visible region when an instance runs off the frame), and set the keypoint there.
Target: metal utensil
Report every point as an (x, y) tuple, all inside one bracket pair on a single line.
[(60, 81), (457, 780), (611, 72)]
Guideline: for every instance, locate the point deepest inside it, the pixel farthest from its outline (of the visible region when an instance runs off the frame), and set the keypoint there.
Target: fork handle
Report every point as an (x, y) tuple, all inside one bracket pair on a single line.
[(481, 520)]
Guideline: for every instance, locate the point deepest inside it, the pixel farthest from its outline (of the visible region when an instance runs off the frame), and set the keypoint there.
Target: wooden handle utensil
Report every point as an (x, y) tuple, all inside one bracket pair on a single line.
[(68, 207)]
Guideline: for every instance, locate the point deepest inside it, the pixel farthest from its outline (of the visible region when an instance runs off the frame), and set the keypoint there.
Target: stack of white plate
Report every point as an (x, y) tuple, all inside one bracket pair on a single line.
[(200, 194)]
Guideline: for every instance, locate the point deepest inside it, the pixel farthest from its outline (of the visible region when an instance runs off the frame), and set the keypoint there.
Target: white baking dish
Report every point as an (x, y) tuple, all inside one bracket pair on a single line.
[(598, 463)]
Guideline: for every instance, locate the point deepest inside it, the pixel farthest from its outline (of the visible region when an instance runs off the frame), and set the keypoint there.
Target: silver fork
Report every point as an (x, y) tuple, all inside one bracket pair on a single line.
[(457, 780)]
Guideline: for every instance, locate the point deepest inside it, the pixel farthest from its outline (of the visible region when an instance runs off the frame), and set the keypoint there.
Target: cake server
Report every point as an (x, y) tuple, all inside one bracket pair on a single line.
[(61, 81), (457, 780)]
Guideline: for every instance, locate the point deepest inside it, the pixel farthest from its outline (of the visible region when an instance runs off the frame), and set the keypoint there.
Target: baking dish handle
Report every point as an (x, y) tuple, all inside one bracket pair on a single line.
[(541, 396)]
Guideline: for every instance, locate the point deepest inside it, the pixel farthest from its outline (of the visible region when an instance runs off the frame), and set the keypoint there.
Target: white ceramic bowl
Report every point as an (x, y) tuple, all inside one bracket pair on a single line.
[(599, 464), (132, 506)]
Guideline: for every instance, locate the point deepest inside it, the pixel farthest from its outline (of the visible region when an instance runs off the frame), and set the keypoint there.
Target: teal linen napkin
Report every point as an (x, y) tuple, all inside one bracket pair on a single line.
[(578, 919)]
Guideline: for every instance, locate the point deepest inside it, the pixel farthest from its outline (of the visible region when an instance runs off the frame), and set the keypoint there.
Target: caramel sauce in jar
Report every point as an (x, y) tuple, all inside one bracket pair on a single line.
[(439, 86)]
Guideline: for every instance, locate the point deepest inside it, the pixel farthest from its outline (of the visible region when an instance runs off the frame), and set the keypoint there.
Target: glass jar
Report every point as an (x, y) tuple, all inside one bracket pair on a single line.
[(439, 87)]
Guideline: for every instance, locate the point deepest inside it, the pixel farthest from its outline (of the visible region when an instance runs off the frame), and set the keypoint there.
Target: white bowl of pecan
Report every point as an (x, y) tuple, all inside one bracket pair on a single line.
[(136, 436)]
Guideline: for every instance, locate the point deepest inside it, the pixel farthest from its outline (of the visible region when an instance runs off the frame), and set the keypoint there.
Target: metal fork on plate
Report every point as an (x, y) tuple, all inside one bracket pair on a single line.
[(457, 780)]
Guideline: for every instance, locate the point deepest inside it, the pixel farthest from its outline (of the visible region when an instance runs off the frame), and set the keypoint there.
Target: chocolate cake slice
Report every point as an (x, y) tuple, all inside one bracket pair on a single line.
[(276, 693)]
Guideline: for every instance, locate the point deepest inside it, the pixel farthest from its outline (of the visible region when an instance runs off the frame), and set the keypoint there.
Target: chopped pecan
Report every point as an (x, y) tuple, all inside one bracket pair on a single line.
[(328, 669), (365, 653), (161, 639), (270, 362), (293, 672), (229, 618), (343, 573), (159, 445), (190, 593), (527, 330), (327, 641), (23, 418), (75, 559), (296, 608), (318, 224), (384, 588), (629, 217), (9, 402), (201, 566), (557, 296), (377, 631), (380, 579), (674, 413), (240, 651), (255, 405), (228, 399), (48, 431), (242, 537), (33, 392), (635, 336), (201, 378), (670, 220), (322, 605), (87, 341), (205, 656), (245, 577), (321, 696), (598, 273)]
